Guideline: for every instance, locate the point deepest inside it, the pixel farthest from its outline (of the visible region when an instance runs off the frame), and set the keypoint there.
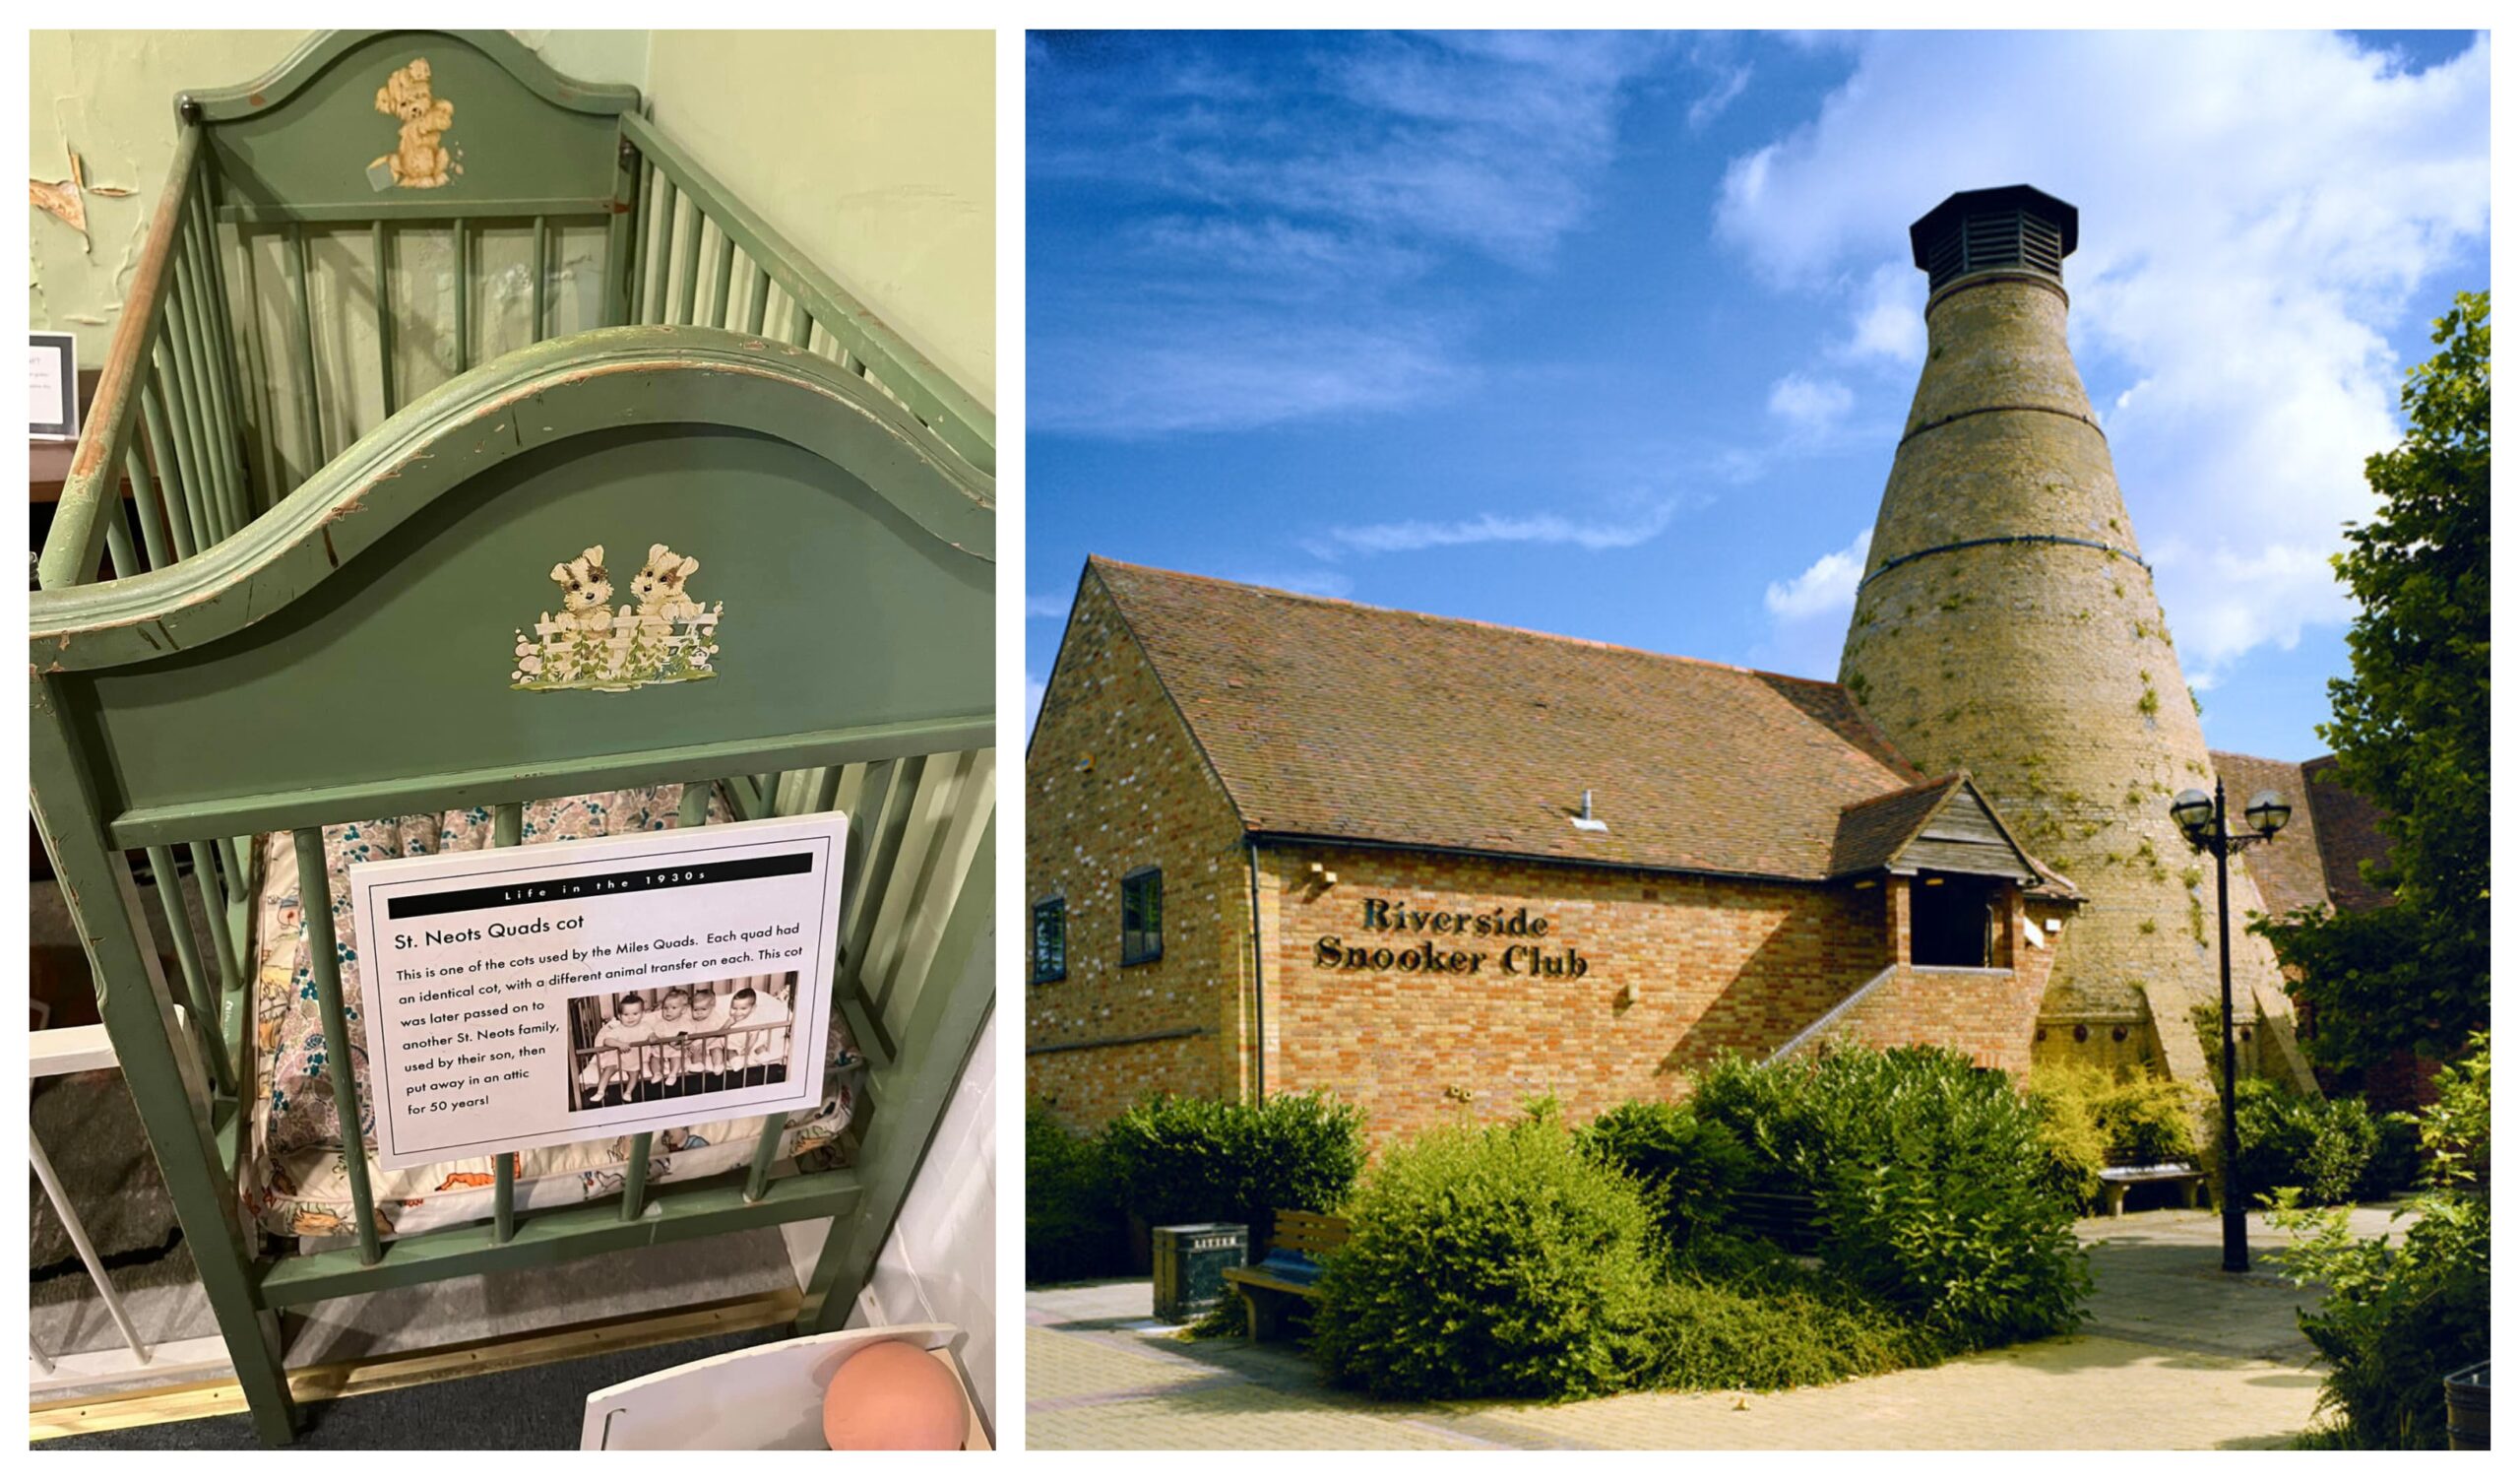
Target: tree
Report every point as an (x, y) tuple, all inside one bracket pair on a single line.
[(2410, 728)]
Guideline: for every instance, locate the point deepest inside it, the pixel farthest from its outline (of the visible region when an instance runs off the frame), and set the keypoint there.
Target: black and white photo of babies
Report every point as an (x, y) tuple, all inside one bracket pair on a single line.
[(666, 1043)]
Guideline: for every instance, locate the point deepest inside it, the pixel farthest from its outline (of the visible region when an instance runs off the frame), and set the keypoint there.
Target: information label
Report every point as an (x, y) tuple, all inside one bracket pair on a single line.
[(564, 992)]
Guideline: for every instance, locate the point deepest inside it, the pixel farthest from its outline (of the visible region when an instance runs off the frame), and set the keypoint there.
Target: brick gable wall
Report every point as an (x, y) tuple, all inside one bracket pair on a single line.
[(1114, 782), (1675, 970)]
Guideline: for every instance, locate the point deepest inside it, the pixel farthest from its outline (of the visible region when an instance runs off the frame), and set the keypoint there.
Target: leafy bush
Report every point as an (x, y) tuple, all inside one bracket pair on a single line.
[(2396, 1320), (1688, 1169), (2295, 1141), (2090, 1119), (1703, 1334), (1934, 1191), (1072, 1226), (1198, 1161), (1489, 1263)]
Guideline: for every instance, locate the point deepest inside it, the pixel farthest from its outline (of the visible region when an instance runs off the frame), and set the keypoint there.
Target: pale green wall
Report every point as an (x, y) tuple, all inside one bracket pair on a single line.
[(874, 152), (110, 96)]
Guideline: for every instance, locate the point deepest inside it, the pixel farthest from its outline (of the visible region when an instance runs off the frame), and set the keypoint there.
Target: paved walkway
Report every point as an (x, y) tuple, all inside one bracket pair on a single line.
[(2176, 1355)]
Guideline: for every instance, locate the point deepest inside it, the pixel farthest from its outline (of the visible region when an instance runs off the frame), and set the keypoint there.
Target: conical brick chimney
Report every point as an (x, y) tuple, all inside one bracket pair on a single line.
[(2007, 623)]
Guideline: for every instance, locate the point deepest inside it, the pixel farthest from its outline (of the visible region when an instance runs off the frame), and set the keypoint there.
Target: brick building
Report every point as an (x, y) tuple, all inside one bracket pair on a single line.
[(1275, 842), (1394, 808)]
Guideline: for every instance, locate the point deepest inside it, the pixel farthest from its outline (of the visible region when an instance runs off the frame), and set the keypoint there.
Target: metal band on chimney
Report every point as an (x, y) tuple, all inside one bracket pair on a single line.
[(1888, 566)]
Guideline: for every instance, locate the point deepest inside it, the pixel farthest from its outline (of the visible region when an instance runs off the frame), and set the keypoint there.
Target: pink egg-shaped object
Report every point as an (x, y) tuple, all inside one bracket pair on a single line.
[(892, 1396)]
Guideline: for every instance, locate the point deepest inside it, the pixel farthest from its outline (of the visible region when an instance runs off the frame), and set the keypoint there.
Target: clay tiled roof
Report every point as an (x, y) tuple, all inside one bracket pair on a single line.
[(1329, 719), (2349, 833), (2315, 860)]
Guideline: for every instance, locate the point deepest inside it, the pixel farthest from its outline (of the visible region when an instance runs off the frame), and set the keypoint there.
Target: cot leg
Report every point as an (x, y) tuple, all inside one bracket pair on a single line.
[(946, 1018), (139, 1014)]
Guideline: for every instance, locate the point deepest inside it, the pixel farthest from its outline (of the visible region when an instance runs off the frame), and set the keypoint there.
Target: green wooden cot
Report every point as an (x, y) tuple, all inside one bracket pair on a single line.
[(420, 326)]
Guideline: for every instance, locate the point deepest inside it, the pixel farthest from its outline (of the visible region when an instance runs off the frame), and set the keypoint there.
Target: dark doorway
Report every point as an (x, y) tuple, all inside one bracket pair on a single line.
[(1952, 919)]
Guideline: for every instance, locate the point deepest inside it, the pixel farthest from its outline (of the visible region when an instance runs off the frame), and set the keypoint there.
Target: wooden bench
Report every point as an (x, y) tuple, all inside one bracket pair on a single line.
[(2115, 1180), (1291, 1270)]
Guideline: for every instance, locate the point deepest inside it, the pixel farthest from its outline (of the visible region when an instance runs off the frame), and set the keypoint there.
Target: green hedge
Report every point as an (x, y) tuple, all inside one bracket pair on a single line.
[(2397, 1319), (1935, 1192), (2324, 1147), (1072, 1219), (1180, 1160), (1500, 1263), (1688, 1169)]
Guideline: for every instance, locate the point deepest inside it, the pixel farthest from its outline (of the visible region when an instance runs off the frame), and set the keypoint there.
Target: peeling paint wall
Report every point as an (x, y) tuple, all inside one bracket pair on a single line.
[(109, 97), (874, 152)]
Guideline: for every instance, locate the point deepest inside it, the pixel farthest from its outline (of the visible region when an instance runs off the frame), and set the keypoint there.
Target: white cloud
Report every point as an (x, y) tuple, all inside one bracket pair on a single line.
[(1811, 407), (1329, 583), (1826, 586), (1287, 267), (1034, 688), (1044, 606), (1618, 533), (2258, 213), (1807, 614)]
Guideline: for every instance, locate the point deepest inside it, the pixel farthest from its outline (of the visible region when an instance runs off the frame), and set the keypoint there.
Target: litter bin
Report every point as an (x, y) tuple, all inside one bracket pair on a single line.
[(1190, 1261), (2466, 1389)]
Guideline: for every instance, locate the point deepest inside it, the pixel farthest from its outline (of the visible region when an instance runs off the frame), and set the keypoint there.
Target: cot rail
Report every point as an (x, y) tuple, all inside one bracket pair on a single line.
[(688, 228), (171, 412)]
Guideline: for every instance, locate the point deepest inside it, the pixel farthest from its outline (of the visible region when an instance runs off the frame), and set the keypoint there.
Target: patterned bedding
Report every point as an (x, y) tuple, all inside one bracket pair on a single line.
[(296, 1181)]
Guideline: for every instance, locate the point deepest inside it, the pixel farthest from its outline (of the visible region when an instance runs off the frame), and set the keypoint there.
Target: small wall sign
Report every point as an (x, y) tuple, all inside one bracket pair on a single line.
[(52, 387), (527, 997)]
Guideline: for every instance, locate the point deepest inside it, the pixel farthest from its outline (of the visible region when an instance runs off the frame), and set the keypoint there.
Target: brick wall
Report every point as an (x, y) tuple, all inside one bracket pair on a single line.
[(1675, 969), (1114, 782)]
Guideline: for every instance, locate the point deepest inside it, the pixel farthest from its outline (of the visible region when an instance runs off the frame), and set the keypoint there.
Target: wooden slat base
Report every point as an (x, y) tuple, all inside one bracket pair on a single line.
[(329, 1381)]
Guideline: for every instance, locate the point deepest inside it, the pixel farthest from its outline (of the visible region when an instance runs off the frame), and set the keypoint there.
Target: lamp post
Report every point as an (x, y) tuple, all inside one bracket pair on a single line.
[(2205, 823)]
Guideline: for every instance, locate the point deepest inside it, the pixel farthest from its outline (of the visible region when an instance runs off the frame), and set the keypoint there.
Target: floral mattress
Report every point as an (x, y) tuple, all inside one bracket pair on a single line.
[(295, 1178)]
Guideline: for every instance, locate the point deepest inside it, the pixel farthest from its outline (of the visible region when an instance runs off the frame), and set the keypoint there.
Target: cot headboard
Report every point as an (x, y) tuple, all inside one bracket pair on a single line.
[(414, 124), (414, 627)]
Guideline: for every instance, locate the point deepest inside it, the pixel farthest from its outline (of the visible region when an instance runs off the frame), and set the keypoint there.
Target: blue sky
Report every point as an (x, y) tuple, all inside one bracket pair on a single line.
[(1612, 334)]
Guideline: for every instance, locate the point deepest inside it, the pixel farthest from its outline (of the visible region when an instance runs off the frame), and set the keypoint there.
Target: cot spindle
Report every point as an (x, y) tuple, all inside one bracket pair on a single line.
[(462, 297), (726, 279), (207, 865), (218, 424), (756, 299), (694, 810), (187, 459), (170, 895), (507, 830), (143, 494), (119, 556), (765, 1149), (379, 248), (152, 417), (542, 272), (223, 342), (687, 252), (642, 212), (309, 408), (257, 371), (661, 258), (633, 1177), (315, 894), (801, 333)]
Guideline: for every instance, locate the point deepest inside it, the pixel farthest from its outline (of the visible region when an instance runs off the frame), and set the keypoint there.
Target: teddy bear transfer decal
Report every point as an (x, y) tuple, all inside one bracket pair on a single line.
[(420, 161), (666, 637)]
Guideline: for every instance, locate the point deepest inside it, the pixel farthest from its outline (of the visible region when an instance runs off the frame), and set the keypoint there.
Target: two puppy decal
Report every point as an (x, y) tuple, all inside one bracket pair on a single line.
[(664, 635)]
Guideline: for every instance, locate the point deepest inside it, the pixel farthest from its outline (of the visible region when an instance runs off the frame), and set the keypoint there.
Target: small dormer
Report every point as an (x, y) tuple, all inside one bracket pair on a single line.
[(1941, 846)]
